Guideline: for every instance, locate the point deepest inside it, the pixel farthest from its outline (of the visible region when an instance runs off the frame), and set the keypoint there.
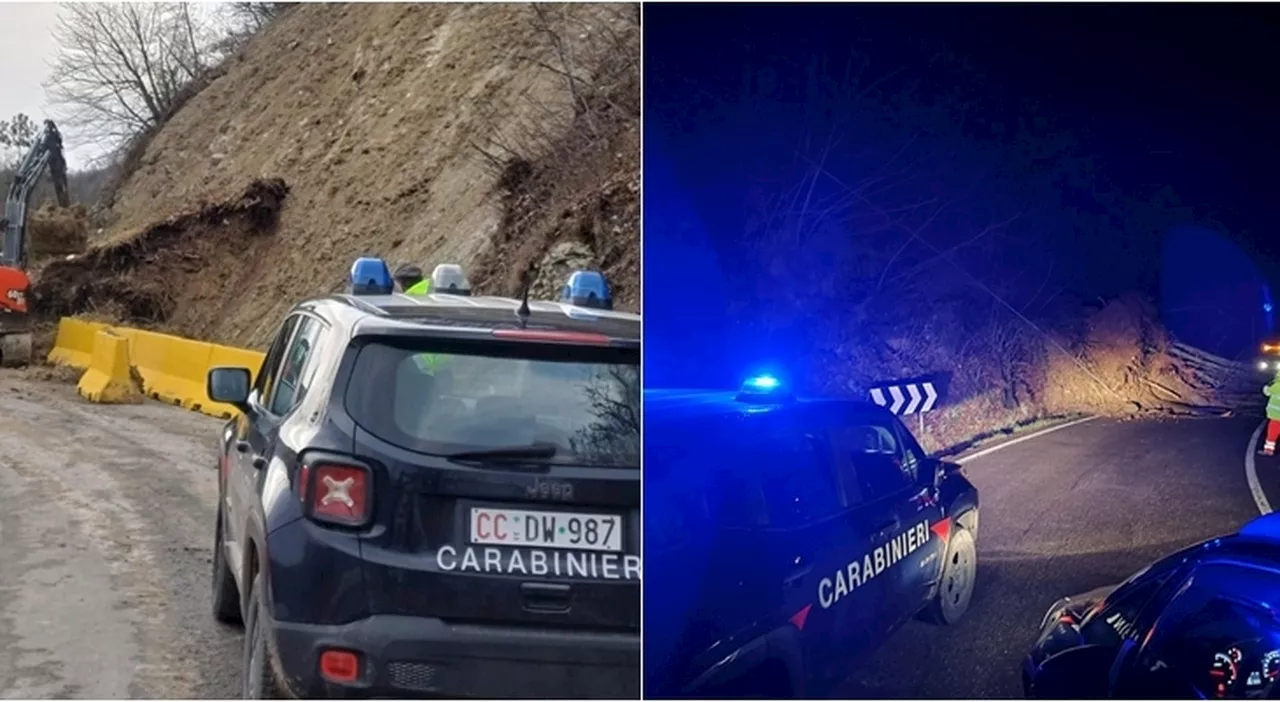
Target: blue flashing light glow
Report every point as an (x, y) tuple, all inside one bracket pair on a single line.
[(370, 276), (1264, 527), (764, 388), (761, 383), (587, 289)]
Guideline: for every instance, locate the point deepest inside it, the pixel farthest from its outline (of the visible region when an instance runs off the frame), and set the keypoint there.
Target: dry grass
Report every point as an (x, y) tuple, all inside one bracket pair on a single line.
[(573, 188)]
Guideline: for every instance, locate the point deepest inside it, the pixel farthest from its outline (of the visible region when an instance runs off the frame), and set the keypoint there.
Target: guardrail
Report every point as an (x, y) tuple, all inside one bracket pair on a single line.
[(169, 368)]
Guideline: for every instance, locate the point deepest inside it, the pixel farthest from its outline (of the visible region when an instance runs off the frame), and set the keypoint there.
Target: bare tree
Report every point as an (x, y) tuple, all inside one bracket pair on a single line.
[(16, 136), (254, 16), (121, 66)]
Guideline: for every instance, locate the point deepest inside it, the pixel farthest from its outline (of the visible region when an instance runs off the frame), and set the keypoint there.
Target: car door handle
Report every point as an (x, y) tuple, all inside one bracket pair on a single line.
[(552, 598), (891, 525), (242, 446), (796, 578)]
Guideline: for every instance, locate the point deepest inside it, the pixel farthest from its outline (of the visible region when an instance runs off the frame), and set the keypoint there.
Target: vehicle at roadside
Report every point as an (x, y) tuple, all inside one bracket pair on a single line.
[(787, 538), (1268, 359), (1199, 624), (434, 495)]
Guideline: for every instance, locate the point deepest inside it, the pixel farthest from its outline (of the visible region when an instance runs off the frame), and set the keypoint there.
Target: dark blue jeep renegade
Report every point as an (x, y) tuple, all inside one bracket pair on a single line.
[(435, 495)]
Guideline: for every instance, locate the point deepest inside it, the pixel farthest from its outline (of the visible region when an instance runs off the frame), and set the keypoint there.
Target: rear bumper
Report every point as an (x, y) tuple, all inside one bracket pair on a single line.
[(418, 657)]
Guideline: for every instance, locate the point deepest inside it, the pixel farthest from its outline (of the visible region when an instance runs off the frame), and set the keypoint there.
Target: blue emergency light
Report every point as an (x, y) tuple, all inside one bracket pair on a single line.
[(587, 289), (449, 278), (764, 389), (370, 276)]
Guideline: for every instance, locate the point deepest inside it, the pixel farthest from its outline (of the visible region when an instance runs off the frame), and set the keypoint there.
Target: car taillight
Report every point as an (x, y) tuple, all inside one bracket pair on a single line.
[(335, 493)]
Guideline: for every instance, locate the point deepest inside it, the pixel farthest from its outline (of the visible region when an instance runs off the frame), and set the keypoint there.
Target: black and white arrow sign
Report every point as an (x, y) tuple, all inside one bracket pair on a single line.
[(907, 398)]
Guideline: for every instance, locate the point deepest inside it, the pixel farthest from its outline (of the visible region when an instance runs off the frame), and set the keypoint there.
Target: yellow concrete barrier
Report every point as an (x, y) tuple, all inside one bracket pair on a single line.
[(74, 344), (108, 378), (172, 369)]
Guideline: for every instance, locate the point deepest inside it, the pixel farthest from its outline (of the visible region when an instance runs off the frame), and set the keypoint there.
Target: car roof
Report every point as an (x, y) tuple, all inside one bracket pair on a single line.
[(458, 315), (678, 404)]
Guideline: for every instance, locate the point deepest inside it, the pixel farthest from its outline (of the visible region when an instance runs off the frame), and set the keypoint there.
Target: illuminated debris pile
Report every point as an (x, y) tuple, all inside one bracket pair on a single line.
[(143, 277), (1211, 382), (1127, 363)]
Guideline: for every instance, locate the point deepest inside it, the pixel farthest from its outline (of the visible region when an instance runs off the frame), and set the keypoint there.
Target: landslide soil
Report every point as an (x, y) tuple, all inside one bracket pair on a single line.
[(423, 133)]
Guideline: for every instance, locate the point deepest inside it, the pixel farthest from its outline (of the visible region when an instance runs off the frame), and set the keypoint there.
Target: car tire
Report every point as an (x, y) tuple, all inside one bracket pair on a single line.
[(959, 571), (258, 679), (226, 594)]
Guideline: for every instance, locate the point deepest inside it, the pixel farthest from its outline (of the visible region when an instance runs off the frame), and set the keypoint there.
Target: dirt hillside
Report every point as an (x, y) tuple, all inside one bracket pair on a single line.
[(496, 136)]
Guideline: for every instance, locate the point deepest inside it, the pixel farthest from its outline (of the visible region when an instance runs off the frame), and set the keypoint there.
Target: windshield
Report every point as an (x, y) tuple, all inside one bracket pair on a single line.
[(584, 402)]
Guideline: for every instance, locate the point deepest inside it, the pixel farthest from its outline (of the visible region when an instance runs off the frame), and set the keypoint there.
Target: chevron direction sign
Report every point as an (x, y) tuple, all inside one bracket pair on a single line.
[(906, 398)]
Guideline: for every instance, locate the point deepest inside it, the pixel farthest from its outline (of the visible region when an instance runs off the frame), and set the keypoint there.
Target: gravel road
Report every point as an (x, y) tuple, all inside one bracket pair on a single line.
[(106, 545)]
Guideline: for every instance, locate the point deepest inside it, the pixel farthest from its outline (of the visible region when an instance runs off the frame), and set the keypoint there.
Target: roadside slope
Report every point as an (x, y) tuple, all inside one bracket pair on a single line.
[(392, 126)]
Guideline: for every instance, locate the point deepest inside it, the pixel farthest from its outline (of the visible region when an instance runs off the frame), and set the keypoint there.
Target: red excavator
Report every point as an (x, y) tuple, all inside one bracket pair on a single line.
[(15, 319)]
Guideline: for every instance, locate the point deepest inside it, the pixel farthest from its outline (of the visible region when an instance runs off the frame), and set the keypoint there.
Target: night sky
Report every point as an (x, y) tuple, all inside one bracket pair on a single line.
[(1171, 105)]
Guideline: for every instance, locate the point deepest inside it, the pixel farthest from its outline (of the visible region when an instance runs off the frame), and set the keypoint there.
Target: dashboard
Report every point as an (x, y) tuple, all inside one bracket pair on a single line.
[(1247, 669)]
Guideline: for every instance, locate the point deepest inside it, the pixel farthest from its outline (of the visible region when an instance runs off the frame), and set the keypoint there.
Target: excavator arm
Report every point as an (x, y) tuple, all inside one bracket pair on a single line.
[(45, 153), (15, 319)]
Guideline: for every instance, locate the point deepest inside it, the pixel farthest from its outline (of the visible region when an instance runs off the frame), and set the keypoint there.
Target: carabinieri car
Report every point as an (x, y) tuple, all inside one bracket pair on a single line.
[(435, 495), (791, 537)]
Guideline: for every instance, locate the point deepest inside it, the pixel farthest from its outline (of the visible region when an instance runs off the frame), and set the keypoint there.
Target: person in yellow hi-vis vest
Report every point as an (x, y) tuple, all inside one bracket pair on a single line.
[(411, 280), (428, 363), (422, 287), (1272, 392)]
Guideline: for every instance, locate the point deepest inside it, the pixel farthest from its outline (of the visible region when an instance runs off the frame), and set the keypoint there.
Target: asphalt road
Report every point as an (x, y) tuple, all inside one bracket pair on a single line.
[(106, 531), (106, 528), (1064, 513)]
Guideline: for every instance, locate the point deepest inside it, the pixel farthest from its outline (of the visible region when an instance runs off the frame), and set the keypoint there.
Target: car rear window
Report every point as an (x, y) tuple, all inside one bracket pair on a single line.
[(585, 401)]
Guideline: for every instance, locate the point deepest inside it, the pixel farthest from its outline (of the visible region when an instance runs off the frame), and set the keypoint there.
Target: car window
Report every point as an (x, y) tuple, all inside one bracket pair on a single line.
[(584, 401), (1217, 637), (798, 482), (869, 456), (912, 454), (288, 390), (775, 475), (271, 363)]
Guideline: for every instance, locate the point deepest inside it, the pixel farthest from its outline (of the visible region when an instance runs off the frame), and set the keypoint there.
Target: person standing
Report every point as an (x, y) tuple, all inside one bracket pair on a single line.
[(1272, 392), (411, 280)]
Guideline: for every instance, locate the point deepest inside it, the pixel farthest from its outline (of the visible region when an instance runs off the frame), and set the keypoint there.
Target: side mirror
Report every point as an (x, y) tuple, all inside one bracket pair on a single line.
[(229, 386), (1081, 673), (940, 469)]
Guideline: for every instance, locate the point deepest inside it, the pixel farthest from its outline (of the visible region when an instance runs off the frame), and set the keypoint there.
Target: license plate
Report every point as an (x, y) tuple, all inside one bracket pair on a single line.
[(570, 530)]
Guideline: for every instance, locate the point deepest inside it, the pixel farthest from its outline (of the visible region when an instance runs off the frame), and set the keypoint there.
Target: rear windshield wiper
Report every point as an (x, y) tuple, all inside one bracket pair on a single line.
[(534, 450)]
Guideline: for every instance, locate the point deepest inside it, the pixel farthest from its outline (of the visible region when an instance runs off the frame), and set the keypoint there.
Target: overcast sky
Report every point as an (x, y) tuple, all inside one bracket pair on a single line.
[(26, 49)]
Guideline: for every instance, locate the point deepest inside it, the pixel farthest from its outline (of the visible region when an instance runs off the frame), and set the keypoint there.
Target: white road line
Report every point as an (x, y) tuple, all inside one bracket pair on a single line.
[(1251, 471), (1021, 439)]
